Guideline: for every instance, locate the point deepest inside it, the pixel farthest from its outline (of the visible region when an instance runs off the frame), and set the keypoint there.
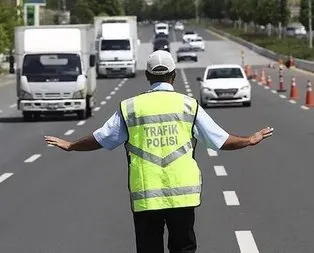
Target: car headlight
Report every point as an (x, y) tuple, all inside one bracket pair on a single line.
[(245, 87), (79, 94), (25, 95), (207, 89)]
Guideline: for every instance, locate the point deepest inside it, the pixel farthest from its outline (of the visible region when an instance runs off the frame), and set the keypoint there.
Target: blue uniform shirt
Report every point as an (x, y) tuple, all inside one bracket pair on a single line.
[(114, 133)]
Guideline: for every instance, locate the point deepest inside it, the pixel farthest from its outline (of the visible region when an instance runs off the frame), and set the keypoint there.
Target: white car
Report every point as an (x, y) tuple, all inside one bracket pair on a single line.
[(179, 26), (197, 43), (187, 36), (162, 28), (224, 84)]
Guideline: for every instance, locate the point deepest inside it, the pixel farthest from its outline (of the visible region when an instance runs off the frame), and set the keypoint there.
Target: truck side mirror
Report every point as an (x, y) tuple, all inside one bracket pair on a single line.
[(92, 60), (199, 79)]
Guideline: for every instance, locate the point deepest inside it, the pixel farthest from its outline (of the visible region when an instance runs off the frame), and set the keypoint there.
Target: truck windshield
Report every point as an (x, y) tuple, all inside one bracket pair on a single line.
[(45, 67), (107, 45)]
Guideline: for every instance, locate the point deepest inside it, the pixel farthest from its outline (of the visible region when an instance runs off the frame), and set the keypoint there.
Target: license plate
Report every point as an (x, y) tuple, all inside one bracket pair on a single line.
[(53, 106), (225, 95)]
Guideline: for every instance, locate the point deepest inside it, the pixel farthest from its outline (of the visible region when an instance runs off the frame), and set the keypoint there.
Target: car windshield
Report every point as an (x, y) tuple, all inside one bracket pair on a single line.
[(186, 49), (224, 73), (107, 45), (43, 67), (189, 33), (161, 27)]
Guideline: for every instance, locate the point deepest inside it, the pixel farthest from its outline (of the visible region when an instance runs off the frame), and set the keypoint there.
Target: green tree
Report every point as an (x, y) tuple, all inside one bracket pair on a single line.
[(4, 40), (304, 13), (10, 17), (82, 14)]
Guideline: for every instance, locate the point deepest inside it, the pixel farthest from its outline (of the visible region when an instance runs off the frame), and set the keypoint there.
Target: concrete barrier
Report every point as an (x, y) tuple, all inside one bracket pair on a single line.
[(300, 63)]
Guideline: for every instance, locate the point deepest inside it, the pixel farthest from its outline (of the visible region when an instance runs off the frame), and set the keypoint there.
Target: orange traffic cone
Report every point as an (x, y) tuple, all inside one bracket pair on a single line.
[(255, 75), (269, 82), (263, 78), (281, 85), (309, 99), (293, 90)]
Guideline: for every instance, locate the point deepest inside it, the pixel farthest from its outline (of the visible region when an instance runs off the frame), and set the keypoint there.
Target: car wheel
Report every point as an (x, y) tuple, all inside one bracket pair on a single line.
[(27, 116), (178, 60), (247, 104), (82, 114), (195, 59), (202, 104)]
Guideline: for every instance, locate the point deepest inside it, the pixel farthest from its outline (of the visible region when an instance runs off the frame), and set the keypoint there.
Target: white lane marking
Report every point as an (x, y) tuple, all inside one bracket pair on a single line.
[(246, 242), (120, 84), (220, 171), (108, 97), (266, 88), (1, 111), (188, 90), (212, 152), (274, 91), (13, 105), (125, 79), (33, 158), (50, 146), (103, 102), (190, 94), (292, 101), (187, 86), (283, 96), (116, 89), (96, 109), (304, 107), (69, 132), (5, 176), (112, 92), (259, 83), (231, 198), (81, 123)]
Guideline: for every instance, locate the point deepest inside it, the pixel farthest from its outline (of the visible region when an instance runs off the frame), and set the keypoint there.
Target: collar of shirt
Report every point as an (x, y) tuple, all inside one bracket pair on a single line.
[(162, 86)]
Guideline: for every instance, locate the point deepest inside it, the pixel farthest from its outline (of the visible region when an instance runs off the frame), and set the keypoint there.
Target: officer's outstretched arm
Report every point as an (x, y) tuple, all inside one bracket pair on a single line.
[(237, 142), (87, 143)]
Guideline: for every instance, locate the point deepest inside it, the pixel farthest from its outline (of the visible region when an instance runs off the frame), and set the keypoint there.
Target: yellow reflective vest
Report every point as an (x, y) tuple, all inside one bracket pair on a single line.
[(162, 170)]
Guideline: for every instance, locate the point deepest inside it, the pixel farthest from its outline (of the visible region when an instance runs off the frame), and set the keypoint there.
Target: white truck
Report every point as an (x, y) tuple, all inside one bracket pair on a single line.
[(55, 70), (116, 45)]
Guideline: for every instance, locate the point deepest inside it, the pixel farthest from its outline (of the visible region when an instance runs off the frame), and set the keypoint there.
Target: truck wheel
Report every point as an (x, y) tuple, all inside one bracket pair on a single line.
[(27, 116), (132, 75), (82, 114)]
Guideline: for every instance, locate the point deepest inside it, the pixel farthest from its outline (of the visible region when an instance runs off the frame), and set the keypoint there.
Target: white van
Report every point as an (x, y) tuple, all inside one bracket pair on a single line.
[(295, 30), (162, 28)]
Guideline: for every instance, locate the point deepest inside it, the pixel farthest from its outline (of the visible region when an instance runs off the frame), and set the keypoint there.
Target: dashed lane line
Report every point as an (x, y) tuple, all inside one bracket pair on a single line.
[(1, 111), (190, 95), (112, 92), (96, 109), (81, 123), (33, 158), (5, 176), (220, 170), (212, 152), (246, 242), (103, 102), (13, 106), (108, 97), (292, 101), (274, 92), (283, 96), (69, 132), (116, 89), (304, 107), (231, 198)]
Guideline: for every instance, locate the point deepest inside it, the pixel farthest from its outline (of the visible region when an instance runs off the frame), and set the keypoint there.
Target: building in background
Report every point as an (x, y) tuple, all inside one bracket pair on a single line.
[(294, 7)]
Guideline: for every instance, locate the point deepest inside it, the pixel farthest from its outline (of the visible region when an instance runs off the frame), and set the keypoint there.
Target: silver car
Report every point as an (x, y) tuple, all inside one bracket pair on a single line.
[(186, 53)]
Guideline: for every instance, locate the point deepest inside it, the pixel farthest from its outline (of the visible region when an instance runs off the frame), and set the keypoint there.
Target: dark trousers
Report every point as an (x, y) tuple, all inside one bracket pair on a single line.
[(149, 230)]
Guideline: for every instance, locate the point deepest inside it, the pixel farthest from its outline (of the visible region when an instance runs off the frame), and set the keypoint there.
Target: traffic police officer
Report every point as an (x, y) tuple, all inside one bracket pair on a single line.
[(160, 128)]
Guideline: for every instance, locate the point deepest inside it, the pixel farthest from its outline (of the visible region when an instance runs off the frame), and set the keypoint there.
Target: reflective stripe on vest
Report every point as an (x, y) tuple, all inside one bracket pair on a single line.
[(166, 192), (134, 121)]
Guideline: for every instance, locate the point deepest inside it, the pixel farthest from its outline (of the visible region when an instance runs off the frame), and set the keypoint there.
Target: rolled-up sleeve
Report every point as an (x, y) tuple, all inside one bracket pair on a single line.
[(208, 132), (113, 133)]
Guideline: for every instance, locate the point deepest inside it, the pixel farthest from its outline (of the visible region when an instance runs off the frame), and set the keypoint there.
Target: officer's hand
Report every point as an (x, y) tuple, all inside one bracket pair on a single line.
[(60, 143), (260, 135)]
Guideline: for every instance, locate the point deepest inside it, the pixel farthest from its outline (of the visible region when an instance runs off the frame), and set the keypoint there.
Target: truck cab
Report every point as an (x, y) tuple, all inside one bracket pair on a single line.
[(55, 76)]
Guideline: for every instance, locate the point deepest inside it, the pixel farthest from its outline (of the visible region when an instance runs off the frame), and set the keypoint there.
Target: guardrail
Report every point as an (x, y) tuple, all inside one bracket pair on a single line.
[(300, 63)]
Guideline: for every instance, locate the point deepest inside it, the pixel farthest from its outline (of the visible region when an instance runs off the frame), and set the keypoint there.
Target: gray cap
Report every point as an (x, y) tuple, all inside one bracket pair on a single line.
[(160, 63)]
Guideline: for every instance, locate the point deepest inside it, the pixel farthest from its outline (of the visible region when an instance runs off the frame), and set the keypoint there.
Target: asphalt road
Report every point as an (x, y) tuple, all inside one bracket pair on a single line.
[(257, 199)]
